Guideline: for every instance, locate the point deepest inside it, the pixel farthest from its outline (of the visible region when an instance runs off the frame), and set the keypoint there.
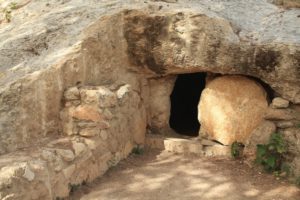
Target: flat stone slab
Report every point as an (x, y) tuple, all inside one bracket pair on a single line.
[(187, 145)]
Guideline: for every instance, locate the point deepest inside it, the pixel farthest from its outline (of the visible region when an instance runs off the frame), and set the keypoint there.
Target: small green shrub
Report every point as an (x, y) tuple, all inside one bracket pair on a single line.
[(7, 12), (271, 155), (237, 149), (138, 150), (13, 6), (298, 181)]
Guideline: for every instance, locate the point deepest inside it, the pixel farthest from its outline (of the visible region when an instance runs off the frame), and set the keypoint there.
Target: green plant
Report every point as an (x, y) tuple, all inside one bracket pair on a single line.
[(8, 10), (7, 14), (138, 150), (298, 181), (13, 6), (237, 149), (271, 155)]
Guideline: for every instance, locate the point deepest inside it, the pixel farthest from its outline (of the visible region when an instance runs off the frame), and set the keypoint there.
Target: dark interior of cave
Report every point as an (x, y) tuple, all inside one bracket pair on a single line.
[(184, 102)]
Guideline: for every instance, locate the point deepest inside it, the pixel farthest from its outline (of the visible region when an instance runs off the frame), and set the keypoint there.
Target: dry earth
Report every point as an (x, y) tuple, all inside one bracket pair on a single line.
[(162, 175)]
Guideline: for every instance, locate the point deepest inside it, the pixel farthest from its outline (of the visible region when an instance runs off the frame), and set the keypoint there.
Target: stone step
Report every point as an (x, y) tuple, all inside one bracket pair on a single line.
[(187, 145)]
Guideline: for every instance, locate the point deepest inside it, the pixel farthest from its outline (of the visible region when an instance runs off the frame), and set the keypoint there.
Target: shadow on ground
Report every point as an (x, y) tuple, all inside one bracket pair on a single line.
[(166, 176)]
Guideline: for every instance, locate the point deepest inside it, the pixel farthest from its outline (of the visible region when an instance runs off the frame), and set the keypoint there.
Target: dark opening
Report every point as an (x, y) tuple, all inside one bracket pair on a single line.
[(184, 103), (270, 92)]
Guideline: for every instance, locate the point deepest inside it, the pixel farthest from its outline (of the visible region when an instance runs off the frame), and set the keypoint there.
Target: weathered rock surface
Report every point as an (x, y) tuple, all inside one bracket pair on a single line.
[(50, 46), (132, 49), (279, 103), (261, 135), (292, 136), (230, 108)]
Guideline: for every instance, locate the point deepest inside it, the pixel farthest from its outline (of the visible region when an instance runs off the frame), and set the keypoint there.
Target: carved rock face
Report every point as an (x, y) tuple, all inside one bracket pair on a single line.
[(231, 107)]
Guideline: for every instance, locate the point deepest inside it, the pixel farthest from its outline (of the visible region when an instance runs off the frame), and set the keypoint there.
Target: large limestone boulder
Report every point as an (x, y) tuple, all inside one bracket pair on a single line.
[(230, 108)]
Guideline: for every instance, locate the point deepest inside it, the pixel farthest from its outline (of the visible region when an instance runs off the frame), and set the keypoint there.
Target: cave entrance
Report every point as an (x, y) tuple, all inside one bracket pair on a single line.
[(184, 103)]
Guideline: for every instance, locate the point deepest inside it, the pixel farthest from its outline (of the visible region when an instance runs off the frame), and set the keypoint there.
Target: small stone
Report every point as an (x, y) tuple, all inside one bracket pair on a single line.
[(284, 124), (66, 154), (72, 94), (107, 114), (89, 96), (103, 125), (123, 91), (79, 148), (107, 98), (89, 132), (85, 124), (279, 114), (279, 102), (94, 143), (103, 134), (48, 155), (68, 172), (88, 113), (28, 174)]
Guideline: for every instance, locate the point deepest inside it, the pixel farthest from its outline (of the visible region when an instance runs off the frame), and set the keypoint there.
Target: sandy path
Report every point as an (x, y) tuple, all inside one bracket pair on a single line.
[(166, 176)]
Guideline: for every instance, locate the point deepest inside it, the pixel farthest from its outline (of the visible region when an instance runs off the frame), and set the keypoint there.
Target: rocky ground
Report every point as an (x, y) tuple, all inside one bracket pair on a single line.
[(162, 175)]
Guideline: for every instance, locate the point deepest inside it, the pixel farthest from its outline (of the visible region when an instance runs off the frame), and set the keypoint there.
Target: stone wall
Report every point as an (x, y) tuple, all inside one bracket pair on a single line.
[(282, 117), (101, 126)]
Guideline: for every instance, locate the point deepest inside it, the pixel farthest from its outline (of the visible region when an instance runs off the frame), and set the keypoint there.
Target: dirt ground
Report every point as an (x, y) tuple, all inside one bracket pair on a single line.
[(167, 176)]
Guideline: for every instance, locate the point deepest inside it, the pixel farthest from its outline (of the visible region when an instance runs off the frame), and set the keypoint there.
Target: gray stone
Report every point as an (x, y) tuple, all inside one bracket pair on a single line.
[(72, 93), (68, 172), (66, 154), (279, 102), (284, 124), (28, 174), (79, 148), (89, 132), (261, 135), (279, 114)]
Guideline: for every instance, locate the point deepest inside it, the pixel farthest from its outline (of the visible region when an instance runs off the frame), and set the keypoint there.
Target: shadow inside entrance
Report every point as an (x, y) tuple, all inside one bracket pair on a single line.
[(184, 103)]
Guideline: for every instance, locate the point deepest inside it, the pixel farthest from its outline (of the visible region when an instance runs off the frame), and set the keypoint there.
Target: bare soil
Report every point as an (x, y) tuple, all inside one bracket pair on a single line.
[(167, 176)]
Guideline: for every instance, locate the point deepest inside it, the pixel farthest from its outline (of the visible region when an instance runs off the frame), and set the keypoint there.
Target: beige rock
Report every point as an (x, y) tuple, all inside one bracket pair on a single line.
[(123, 90), (139, 124), (79, 148), (279, 114), (261, 135), (292, 137), (72, 94), (89, 96), (127, 149), (231, 107), (279, 102), (107, 114), (48, 155), (284, 124), (101, 96), (107, 98), (66, 154), (217, 150), (28, 174), (89, 132), (69, 171), (95, 143), (104, 134), (68, 125), (85, 112)]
